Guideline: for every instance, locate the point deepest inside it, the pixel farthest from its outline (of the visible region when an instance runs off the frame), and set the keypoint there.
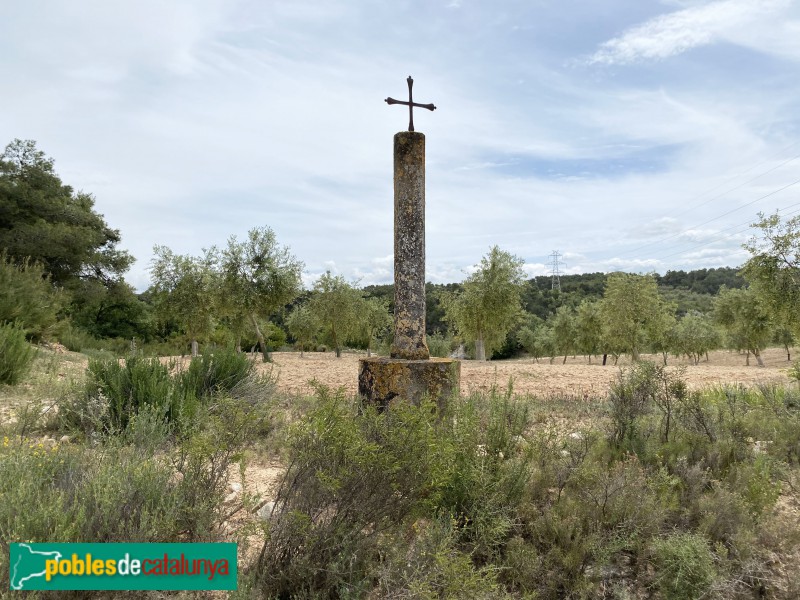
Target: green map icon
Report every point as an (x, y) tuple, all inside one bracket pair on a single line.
[(27, 564)]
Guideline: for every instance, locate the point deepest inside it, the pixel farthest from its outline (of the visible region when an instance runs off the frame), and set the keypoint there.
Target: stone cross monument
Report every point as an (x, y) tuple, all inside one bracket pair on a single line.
[(409, 373)]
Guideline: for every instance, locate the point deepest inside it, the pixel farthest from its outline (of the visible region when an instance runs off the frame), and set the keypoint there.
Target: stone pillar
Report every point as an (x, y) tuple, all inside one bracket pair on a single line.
[(409, 374), (383, 381), (409, 247)]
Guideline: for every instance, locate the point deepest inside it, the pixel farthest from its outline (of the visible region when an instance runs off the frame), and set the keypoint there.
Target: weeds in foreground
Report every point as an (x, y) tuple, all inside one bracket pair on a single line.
[(16, 354), (673, 499)]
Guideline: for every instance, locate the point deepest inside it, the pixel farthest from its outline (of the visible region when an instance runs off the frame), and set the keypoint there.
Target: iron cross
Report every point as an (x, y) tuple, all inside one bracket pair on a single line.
[(411, 104)]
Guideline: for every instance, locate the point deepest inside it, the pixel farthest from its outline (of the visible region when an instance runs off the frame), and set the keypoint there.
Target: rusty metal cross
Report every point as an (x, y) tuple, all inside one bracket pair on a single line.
[(411, 104)]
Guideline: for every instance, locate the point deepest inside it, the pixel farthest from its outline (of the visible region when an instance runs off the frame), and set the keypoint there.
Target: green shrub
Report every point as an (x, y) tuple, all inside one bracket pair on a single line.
[(76, 339), (794, 372), (684, 566), (489, 470), (355, 476), (440, 345), (431, 566), (631, 397), (28, 298), (16, 354), (126, 387), (359, 479), (116, 493), (214, 372), (117, 390)]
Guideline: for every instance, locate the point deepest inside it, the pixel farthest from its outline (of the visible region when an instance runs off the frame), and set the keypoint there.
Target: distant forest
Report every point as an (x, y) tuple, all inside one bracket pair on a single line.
[(688, 290)]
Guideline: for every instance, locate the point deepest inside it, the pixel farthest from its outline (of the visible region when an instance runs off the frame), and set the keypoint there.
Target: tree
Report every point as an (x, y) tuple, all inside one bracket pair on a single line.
[(745, 319), (303, 326), (630, 307), (694, 336), (27, 298), (46, 221), (110, 311), (183, 290), (785, 338), (375, 320), (564, 331), (335, 304), (589, 328), (659, 330), (489, 304), (527, 338), (773, 271), (257, 278)]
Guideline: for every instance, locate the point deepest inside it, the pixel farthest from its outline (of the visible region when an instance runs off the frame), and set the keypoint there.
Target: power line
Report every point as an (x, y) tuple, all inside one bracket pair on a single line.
[(555, 271), (747, 225), (721, 237), (733, 189), (725, 214)]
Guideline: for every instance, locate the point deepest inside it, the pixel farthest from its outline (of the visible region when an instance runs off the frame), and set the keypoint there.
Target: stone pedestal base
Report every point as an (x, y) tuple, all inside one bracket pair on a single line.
[(382, 380)]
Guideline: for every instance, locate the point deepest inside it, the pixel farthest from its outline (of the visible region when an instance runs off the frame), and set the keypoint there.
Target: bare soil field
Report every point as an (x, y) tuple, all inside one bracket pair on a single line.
[(576, 378)]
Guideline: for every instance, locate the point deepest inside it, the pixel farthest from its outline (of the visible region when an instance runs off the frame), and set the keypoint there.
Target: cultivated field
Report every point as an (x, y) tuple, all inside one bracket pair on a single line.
[(576, 378)]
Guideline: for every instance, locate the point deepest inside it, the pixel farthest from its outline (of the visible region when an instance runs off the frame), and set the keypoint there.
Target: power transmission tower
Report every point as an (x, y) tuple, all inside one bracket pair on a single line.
[(555, 270)]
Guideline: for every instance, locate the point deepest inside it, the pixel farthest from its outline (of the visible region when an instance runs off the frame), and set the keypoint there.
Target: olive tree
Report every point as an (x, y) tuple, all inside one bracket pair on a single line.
[(258, 277), (489, 304), (527, 337), (694, 335), (564, 331), (304, 326), (631, 307), (184, 291), (745, 319), (374, 320), (773, 270), (335, 304), (589, 328)]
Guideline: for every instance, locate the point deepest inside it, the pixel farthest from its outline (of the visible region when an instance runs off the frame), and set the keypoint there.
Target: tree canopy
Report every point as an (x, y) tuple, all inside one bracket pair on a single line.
[(48, 222), (773, 271), (334, 304), (489, 303), (631, 308), (258, 277), (183, 291)]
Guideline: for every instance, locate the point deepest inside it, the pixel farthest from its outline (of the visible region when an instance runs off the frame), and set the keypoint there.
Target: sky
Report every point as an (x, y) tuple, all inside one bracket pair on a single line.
[(632, 135)]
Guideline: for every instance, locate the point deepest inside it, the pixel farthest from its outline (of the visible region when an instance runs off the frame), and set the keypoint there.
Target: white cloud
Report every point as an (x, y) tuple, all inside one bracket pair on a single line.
[(535, 269), (682, 30), (191, 121)]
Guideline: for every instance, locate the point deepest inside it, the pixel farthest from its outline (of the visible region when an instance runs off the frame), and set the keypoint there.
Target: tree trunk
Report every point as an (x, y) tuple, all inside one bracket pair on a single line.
[(239, 344), (302, 347), (664, 354), (788, 353), (635, 355), (757, 354), (747, 359), (605, 358), (369, 353), (563, 362), (261, 341), (480, 351), (195, 348), (338, 351), (706, 357)]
